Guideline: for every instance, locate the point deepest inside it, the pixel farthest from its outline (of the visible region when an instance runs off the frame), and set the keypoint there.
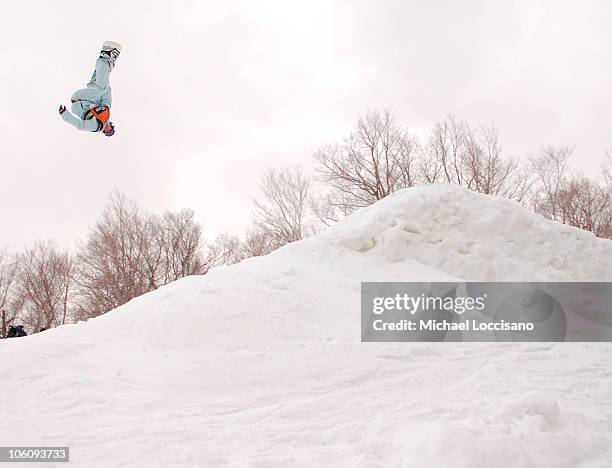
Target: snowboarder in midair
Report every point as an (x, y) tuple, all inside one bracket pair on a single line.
[(91, 105)]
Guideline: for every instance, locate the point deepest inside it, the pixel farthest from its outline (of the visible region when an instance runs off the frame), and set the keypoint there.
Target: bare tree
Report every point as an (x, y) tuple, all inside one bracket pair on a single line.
[(429, 164), (8, 272), (282, 213), (549, 168), (488, 172), (225, 250), (170, 247), (112, 259), (9, 301), (446, 152), (152, 241), (330, 207), (606, 169), (128, 253), (586, 204), (228, 250), (258, 242), (45, 280), (377, 159), (458, 154), (182, 245)]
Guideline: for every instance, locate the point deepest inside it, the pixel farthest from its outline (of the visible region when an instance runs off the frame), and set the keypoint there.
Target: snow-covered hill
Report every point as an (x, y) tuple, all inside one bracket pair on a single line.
[(261, 364)]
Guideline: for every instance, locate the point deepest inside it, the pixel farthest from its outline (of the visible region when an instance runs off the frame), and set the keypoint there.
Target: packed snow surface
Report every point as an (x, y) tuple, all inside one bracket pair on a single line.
[(260, 364)]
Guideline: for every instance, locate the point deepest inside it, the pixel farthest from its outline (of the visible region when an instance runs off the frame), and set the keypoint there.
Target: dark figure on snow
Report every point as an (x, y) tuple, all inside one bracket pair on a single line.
[(16, 331)]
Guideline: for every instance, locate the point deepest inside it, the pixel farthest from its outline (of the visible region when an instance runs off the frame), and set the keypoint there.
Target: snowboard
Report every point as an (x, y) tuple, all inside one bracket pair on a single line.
[(110, 50)]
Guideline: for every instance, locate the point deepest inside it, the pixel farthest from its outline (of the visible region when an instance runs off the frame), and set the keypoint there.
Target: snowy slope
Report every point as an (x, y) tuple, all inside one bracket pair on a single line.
[(473, 236), (260, 364)]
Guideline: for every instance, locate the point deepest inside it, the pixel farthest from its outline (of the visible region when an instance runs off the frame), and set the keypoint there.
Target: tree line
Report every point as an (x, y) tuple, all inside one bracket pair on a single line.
[(129, 252), (125, 254)]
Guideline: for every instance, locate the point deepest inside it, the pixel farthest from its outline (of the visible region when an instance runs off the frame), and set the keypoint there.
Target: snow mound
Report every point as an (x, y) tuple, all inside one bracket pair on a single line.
[(261, 364), (474, 237)]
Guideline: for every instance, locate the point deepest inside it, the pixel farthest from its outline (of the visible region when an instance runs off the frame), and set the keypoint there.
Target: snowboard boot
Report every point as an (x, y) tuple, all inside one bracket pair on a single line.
[(110, 51)]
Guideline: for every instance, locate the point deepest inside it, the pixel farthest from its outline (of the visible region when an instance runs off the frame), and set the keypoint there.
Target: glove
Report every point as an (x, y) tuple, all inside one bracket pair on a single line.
[(62, 109)]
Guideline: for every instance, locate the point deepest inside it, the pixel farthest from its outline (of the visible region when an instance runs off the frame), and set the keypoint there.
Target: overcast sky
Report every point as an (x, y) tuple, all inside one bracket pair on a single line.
[(206, 95)]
